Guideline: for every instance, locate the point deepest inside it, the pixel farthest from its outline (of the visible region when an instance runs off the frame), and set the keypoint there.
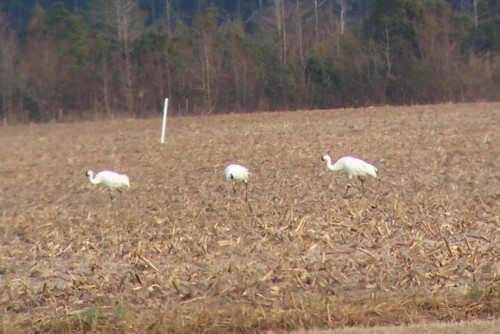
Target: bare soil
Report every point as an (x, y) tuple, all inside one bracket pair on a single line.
[(462, 327), (180, 252)]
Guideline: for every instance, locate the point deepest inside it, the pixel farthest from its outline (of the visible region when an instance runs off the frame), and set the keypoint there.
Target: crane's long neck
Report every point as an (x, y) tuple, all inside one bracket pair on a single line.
[(330, 166), (91, 178)]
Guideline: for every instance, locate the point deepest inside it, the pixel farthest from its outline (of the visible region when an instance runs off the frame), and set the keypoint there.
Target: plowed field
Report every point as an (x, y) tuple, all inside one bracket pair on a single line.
[(180, 252)]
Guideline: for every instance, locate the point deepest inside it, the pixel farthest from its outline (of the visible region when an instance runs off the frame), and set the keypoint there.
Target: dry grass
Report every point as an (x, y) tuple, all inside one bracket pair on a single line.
[(463, 327), (181, 253)]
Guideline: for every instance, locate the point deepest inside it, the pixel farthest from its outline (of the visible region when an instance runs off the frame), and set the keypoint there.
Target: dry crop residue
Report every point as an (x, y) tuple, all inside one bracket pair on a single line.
[(180, 252)]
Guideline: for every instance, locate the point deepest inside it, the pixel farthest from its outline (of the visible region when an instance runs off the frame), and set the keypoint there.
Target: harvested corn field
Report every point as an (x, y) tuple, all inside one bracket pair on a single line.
[(181, 252)]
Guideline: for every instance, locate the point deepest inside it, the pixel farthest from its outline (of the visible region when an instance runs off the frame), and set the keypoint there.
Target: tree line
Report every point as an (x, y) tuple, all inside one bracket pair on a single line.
[(103, 58)]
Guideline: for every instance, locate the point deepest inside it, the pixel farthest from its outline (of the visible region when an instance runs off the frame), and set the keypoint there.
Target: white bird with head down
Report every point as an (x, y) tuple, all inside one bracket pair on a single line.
[(109, 179), (352, 167), (237, 173)]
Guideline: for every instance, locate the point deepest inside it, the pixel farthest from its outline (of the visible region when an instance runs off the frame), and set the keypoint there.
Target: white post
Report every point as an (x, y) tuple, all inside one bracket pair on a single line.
[(164, 121)]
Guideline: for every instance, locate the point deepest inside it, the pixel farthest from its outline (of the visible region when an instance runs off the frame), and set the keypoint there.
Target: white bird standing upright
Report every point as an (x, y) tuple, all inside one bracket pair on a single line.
[(352, 167), (109, 179), (238, 173)]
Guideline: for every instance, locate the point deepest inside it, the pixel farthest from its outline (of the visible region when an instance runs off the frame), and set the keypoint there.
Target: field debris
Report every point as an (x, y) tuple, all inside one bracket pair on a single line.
[(180, 253)]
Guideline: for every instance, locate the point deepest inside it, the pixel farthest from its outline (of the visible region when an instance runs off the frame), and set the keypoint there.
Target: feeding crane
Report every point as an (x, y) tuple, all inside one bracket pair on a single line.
[(352, 167), (237, 173), (109, 179)]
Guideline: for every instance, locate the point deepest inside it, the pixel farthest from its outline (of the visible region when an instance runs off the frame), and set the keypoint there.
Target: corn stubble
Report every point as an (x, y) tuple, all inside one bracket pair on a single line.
[(181, 252)]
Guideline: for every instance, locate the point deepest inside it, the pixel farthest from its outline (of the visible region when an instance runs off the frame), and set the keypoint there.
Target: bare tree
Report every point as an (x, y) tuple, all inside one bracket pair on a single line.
[(342, 19), (122, 22), (207, 80), (168, 10), (8, 51), (279, 8), (205, 27), (388, 51), (299, 23), (475, 11), (316, 20)]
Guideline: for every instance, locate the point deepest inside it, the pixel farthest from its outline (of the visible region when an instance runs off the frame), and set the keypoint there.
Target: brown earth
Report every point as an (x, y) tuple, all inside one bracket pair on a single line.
[(463, 327), (180, 252)]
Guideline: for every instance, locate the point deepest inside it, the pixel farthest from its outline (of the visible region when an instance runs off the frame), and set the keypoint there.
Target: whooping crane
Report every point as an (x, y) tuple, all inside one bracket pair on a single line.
[(237, 173), (109, 179), (352, 167)]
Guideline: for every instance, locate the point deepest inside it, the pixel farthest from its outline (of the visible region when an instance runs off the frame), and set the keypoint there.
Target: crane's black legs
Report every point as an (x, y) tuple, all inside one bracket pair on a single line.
[(246, 191), (362, 184), (362, 180), (346, 190)]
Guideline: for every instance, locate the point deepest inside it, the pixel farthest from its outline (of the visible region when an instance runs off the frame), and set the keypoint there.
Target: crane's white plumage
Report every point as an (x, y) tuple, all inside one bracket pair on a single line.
[(352, 167), (111, 180), (237, 173)]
